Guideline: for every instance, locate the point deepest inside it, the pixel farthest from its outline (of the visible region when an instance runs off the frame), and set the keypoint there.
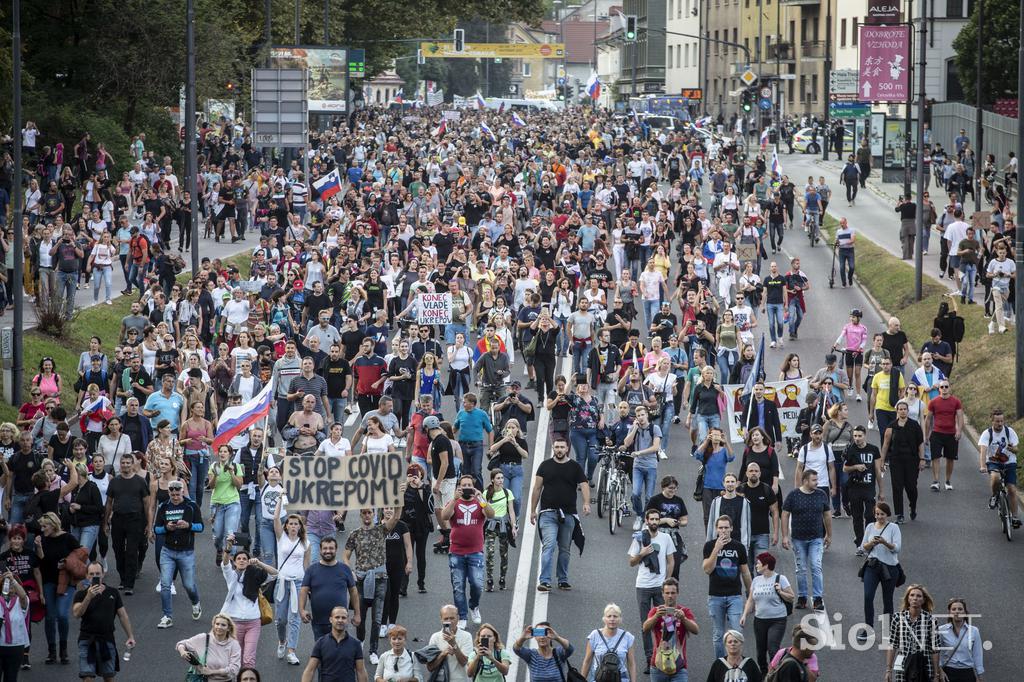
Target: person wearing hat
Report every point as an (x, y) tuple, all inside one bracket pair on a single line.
[(830, 382)]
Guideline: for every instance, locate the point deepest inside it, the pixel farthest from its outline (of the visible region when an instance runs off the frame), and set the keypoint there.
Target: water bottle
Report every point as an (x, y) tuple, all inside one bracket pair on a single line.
[(127, 654), (7, 587)]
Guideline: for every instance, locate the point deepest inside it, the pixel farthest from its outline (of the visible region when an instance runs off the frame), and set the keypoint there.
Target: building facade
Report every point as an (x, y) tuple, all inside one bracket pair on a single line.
[(643, 60), (683, 53)]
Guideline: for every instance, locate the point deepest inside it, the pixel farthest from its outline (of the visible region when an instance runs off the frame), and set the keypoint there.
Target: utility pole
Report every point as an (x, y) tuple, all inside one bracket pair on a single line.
[(327, 18), (487, 62), (191, 171), (778, 75), (17, 289), (704, 18), (298, 21), (909, 104), (828, 71), (1018, 313), (919, 227), (979, 129)]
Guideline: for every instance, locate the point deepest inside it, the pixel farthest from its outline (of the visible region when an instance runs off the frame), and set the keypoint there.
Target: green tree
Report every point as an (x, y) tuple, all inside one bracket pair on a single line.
[(998, 53)]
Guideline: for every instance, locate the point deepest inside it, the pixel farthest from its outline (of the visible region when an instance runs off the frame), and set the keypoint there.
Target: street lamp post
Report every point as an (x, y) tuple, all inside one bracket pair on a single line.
[(909, 104), (191, 181), (1018, 314), (828, 71), (17, 359), (919, 226), (979, 129)]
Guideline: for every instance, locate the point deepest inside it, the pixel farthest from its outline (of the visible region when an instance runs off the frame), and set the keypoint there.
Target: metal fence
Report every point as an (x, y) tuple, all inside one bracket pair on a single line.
[(1000, 131)]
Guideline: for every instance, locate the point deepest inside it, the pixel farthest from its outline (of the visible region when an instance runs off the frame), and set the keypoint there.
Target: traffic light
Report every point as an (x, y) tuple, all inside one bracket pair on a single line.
[(747, 100), (230, 87), (460, 40), (630, 27)]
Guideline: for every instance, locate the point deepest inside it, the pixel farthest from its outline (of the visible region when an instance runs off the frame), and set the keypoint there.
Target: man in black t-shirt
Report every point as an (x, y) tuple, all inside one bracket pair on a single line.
[(764, 513), (337, 372), (725, 563), (97, 606), (553, 510), (863, 466), (442, 465), (129, 518)]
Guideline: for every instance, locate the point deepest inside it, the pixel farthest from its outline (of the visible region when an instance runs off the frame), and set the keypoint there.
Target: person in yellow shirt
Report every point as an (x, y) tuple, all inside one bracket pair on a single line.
[(884, 395)]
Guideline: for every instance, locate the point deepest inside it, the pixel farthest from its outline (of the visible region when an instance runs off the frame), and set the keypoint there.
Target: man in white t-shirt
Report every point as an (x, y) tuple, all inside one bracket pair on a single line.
[(654, 553), (726, 265), (817, 455), (996, 444), (743, 316), (955, 233)]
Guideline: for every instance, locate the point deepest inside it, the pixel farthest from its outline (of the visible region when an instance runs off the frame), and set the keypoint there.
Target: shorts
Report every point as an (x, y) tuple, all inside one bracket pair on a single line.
[(954, 262), (853, 358), (447, 490), (1009, 470), (97, 668), (943, 445)]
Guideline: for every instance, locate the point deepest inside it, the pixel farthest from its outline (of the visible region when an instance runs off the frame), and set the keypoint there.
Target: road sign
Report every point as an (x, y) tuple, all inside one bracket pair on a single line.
[(437, 50), (748, 77), (765, 104), (849, 110), (842, 97), (787, 76), (843, 81), (884, 64), (561, 81), (766, 93)]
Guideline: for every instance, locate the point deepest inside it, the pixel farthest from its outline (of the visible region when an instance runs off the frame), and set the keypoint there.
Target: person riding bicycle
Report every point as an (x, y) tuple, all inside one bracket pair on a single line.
[(494, 368), (997, 453)]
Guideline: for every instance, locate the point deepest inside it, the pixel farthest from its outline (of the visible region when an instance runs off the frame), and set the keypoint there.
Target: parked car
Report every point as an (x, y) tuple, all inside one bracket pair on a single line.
[(802, 141)]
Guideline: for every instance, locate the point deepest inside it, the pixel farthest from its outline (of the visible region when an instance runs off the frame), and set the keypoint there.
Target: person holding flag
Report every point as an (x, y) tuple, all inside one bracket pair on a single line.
[(237, 418), (517, 120), (329, 185), (486, 130), (481, 103), (594, 87)]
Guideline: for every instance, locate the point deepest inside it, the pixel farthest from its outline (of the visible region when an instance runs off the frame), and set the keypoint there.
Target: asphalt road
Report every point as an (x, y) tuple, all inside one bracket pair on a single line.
[(954, 547)]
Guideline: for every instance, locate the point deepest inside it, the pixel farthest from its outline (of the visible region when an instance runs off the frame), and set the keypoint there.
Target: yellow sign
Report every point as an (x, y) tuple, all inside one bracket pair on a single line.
[(494, 51)]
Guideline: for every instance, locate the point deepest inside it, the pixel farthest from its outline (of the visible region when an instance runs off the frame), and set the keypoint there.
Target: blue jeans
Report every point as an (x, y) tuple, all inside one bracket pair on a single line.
[(841, 495), (758, 543), (184, 562), (651, 309), (680, 675), (808, 557), (580, 357), (58, 607), (105, 668), (872, 581), (563, 337), (553, 533), (250, 507), (584, 447), (775, 315), (725, 360), (846, 264), (706, 422), (287, 622), (18, 502), (225, 520), (467, 567), (796, 316), (199, 465), (450, 330), (472, 457), (86, 536), (664, 422), (338, 409), (645, 480), (968, 272), (106, 274), (67, 284), (514, 481), (268, 542), (725, 615)]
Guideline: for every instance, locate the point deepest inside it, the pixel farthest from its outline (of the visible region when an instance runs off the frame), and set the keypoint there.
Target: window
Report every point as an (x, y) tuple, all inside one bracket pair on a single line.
[(527, 69), (718, 45), (803, 87), (855, 32), (814, 87), (735, 38), (670, 8), (954, 9), (842, 33), (686, 55)]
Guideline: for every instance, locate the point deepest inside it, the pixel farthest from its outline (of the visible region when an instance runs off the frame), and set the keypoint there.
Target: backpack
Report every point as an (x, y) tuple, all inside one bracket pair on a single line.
[(609, 665), (957, 328), (773, 672)]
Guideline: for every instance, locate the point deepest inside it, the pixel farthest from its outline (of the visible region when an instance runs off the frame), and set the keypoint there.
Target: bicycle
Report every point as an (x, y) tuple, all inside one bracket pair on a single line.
[(812, 227), (490, 394), (613, 488), (1003, 507)]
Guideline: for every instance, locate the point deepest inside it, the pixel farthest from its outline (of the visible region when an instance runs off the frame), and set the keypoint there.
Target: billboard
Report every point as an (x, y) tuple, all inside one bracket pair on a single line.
[(884, 64), (437, 50), (328, 69)]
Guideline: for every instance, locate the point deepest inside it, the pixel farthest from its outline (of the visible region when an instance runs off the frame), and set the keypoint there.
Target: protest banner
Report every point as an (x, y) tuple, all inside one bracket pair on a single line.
[(319, 483), (789, 396), (433, 308)]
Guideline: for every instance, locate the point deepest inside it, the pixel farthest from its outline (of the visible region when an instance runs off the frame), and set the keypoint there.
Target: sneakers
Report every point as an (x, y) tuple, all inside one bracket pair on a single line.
[(801, 603), (281, 649), (159, 589), (819, 604), (546, 587), (197, 611), (992, 502), (474, 615), (949, 486), (771, 345), (383, 631), (374, 658), (292, 659), (637, 523), (462, 624), (565, 587), (935, 486), (165, 623), (1015, 523), (859, 552), (859, 397)]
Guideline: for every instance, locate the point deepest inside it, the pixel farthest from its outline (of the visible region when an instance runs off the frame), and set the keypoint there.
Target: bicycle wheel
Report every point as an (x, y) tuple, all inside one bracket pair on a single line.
[(602, 493), (1004, 515), (621, 499), (613, 501)]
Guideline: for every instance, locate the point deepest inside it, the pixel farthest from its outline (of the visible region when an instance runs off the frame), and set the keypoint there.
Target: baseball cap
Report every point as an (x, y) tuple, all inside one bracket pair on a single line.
[(431, 422), (516, 383), (816, 428)]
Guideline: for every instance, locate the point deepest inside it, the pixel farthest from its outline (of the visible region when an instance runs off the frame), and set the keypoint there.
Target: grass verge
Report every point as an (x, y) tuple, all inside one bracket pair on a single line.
[(102, 320), (983, 375)]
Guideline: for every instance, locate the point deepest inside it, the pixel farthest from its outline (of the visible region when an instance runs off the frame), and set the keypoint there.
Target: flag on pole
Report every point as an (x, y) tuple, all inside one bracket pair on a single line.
[(776, 166), (517, 121), (481, 103), (439, 130), (399, 96), (636, 117), (234, 420), (756, 374), (328, 185), (594, 86), (486, 130), (764, 138), (501, 107)]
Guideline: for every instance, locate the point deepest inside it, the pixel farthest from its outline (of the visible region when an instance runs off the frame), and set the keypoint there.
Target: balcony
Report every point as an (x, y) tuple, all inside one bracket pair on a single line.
[(783, 51), (812, 49)]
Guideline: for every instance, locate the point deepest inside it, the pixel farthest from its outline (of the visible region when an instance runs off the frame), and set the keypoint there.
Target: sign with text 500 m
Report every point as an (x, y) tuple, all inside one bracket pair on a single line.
[(884, 64)]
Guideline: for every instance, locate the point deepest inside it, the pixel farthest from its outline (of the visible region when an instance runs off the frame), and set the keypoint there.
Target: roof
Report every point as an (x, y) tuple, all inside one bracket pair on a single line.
[(579, 38)]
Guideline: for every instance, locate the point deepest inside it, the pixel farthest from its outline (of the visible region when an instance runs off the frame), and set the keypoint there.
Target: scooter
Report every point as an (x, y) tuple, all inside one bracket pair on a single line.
[(832, 272)]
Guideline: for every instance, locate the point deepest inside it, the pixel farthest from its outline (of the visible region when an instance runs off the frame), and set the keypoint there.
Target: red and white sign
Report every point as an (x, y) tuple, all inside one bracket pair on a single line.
[(884, 64)]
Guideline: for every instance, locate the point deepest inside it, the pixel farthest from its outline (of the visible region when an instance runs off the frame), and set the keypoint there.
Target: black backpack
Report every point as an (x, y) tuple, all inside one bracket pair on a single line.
[(608, 667)]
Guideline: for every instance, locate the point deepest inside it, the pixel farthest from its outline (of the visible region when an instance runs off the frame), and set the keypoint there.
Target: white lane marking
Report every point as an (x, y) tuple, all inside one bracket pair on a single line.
[(527, 539)]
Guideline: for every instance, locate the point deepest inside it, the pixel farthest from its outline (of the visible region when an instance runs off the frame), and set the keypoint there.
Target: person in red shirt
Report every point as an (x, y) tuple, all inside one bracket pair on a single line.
[(418, 446), (369, 369), (670, 623), (942, 428), (466, 513)]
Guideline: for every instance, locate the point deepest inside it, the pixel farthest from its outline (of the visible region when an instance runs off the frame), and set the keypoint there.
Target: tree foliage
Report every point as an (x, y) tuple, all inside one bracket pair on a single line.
[(998, 54)]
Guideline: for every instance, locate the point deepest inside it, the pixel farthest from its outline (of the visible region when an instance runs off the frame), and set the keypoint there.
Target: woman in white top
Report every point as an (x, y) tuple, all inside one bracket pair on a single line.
[(113, 444), (33, 199), (14, 631), (244, 575), (292, 562), (315, 270), (335, 445), (460, 360), (243, 349), (502, 331), (102, 261), (767, 597), (376, 442)]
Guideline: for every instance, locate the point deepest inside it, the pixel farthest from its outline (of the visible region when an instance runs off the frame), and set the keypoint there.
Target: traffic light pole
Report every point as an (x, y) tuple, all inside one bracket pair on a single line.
[(828, 72)]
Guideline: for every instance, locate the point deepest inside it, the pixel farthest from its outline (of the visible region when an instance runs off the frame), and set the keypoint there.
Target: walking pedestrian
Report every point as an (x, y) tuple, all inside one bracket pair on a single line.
[(913, 639), (725, 564), (863, 467), (883, 541), (807, 529), (609, 650), (218, 651), (960, 645), (293, 553), (244, 576), (178, 520), (654, 553), (97, 606), (466, 554), (128, 517), (770, 598), (326, 584), (903, 454), (501, 529), (553, 511), (336, 656)]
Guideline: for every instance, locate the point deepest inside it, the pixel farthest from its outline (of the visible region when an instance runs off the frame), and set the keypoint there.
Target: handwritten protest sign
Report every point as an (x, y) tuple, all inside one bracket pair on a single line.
[(433, 308), (319, 483), (789, 396)]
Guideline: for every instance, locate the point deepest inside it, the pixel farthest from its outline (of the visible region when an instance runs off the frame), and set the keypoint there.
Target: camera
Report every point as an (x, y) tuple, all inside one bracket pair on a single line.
[(243, 540)]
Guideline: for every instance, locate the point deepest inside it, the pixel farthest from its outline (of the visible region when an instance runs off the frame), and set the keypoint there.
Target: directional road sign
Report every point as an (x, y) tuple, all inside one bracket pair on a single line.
[(884, 64), (843, 81), (849, 109)]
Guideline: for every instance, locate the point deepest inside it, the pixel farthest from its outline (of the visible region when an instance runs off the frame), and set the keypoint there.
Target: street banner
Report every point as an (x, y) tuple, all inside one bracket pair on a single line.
[(433, 308), (788, 396), (884, 64), (438, 50), (321, 483)]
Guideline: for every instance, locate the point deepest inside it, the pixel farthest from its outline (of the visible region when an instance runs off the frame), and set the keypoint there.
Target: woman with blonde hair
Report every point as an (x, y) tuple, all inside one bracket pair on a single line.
[(913, 638), (610, 638), (53, 546), (218, 652), (428, 379), (490, 660), (9, 435)]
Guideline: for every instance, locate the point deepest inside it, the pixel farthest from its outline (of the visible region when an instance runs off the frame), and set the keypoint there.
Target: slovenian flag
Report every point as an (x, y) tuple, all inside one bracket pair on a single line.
[(776, 166), (328, 185), (481, 103), (238, 418), (636, 117), (517, 121), (439, 130), (486, 130), (501, 107), (594, 86), (764, 138), (399, 96)]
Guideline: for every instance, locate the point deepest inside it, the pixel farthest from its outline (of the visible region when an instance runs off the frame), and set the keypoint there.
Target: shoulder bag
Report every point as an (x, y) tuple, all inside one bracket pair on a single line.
[(788, 604), (698, 488), (192, 675), (571, 674)]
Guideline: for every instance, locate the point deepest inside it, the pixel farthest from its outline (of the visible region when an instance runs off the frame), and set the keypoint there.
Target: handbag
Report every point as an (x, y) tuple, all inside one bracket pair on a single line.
[(531, 348), (571, 674), (788, 604), (192, 675), (266, 610), (659, 401), (698, 487)]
